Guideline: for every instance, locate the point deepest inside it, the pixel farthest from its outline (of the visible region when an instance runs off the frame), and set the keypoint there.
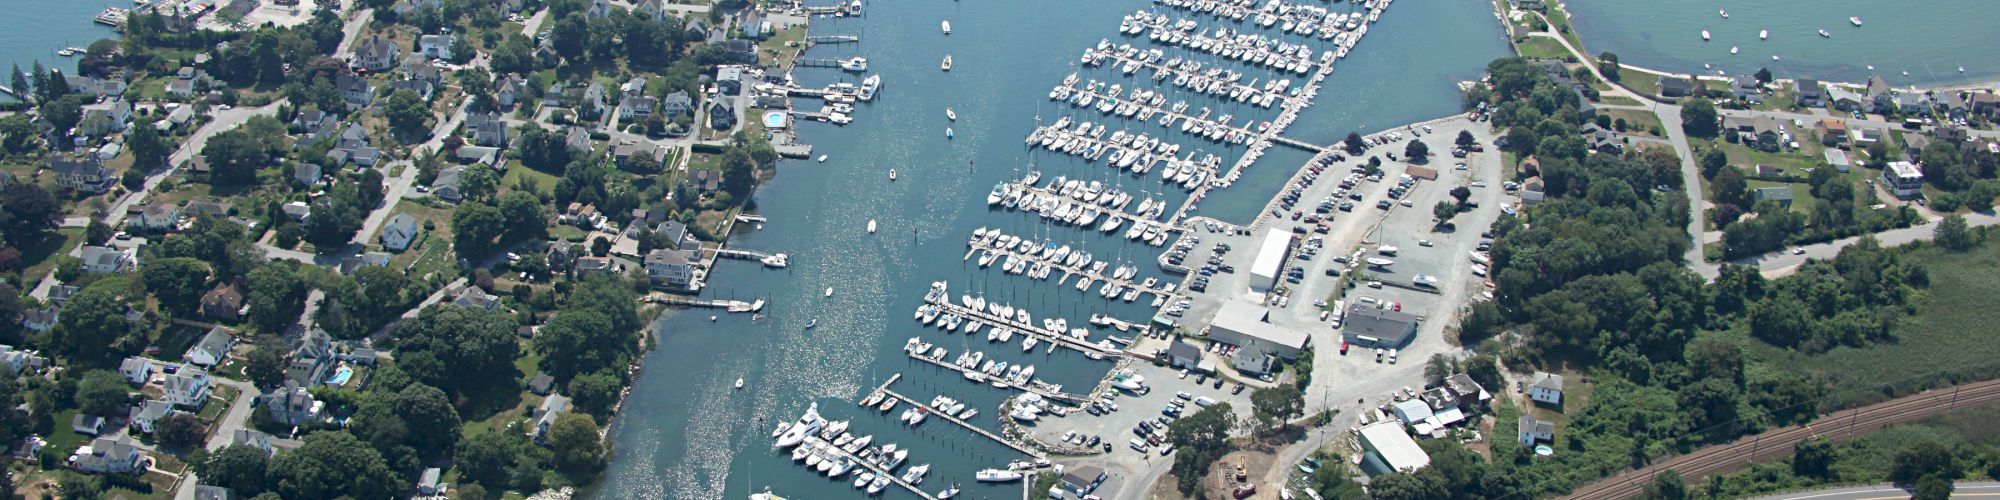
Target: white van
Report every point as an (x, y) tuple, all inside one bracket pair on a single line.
[(1139, 445), (1203, 401)]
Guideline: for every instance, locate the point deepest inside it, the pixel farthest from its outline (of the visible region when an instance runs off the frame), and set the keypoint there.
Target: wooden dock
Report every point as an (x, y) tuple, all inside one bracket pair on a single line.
[(879, 471), (730, 305), (1148, 111), (1222, 95), (833, 38), (934, 413), (1068, 271), (1058, 338), (1065, 202), (1030, 388)]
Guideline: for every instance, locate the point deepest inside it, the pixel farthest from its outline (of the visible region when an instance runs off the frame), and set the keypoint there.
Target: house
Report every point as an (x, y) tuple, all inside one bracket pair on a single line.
[(292, 405), (353, 147), (1811, 94), (21, 361), (436, 46), (206, 492), (104, 260), (1913, 145), (154, 217), (428, 482), (82, 174), (1599, 139), (600, 8), (315, 124), (677, 234), (1780, 194), (635, 106), (445, 186), (1534, 430), (669, 268), (423, 89), (1838, 159), (740, 50), (1083, 479), (1951, 104), (589, 264), (211, 349), (545, 415), (729, 80), (1760, 132), (1881, 97), (1678, 86), (1530, 5), (1747, 88), (312, 358), (108, 456), (1912, 103), (488, 129), (624, 153), (541, 384), (252, 438), (477, 299), (297, 210), (1985, 103), (136, 369), (1832, 131), (41, 320), (306, 174), (399, 231), (1465, 389), (99, 87), (752, 24), (86, 424), (223, 302), (698, 29), (1903, 179), (376, 54), (578, 141), (1949, 132), (180, 88), (1184, 355), (509, 89), (355, 90), (721, 116), (592, 106), (704, 180), (651, 10), (178, 117), (1841, 99), (146, 415), (187, 388), (1246, 326), (61, 293), (1547, 388), (112, 115), (677, 104)]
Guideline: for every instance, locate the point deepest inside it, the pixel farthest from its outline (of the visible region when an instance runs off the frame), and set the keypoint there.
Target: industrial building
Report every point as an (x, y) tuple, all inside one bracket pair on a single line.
[(1389, 449), (1373, 326), (1270, 263), (1247, 326)]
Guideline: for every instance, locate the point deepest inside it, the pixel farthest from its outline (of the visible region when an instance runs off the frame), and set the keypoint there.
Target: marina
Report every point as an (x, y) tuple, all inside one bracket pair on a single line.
[(1053, 332), (884, 391), (1039, 261)]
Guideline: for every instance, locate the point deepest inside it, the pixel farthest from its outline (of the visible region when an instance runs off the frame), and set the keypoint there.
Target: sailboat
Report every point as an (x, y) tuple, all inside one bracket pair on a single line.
[(810, 324), (829, 291), (950, 115), (947, 133), (946, 25)]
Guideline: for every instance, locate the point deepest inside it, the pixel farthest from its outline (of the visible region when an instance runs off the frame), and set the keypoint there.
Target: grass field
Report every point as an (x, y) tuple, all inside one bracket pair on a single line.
[(431, 252), (1948, 339), (41, 257), (1644, 83), (1636, 122), (1809, 155), (1802, 197), (1543, 48)]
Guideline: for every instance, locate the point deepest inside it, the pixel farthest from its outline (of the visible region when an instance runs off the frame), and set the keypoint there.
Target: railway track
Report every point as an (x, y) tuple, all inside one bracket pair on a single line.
[(1838, 426)]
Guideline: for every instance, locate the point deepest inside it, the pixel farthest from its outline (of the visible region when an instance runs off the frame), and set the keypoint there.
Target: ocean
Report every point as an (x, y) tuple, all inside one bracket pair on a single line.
[(36, 29), (1930, 40), (685, 433)]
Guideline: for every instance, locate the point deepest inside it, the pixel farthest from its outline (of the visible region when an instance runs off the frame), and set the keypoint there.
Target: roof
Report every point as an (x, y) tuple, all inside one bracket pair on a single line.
[(1248, 319), (216, 342), (1271, 255), (1183, 350), (1550, 381), (1412, 410), (1529, 423), (1836, 157), (402, 222), (541, 383), (1389, 325), (206, 492), (1833, 124), (1463, 386), (1905, 169), (1083, 475), (664, 257), (151, 409), (1394, 446)]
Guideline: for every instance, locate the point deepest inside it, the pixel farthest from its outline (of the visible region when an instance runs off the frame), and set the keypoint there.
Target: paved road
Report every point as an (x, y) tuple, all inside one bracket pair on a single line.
[(223, 120), (1885, 492), (238, 415), (1777, 443)]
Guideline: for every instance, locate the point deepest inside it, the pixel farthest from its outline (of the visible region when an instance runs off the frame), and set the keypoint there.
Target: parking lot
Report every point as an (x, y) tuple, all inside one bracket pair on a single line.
[(1116, 428)]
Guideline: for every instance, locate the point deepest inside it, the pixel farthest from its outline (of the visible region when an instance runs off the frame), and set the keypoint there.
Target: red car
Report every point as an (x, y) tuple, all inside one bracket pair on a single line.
[(1343, 348)]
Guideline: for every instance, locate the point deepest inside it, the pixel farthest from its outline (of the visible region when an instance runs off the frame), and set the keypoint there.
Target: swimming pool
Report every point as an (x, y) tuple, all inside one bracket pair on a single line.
[(340, 376), (774, 120)]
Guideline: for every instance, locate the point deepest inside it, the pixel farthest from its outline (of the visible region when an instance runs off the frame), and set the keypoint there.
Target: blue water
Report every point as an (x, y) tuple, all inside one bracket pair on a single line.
[(685, 433), (35, 29), (1929, 39)]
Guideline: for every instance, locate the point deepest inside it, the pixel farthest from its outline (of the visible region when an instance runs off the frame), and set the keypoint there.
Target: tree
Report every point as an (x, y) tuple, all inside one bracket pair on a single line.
[(1953, 234), (1201, 438), (332, 464), (234, 156), (1355, 145), (1461, 194), (459, 349), (1764, 75), (97, 232), (93, 327), (1420, 484), (1438, 367), (600, 246), (28, 213), (177, 282), (570, 36), (1730, 187), (596, 392), (1278, 404), (1667, 485), (63, 113), (575, 442), (276, 295), (578, 341), (524, 216), (1813, 458), (180, 430), (1416, 151), (1713, 161), (406, 112), (419, 416), (1923, 459), (239, 467), (1698, 118), (265, 365), (149, 150), (1465, 138), (1933, 488), (1444, 211), (739, 175), (102, 393), (1607, 63), (474, 228)]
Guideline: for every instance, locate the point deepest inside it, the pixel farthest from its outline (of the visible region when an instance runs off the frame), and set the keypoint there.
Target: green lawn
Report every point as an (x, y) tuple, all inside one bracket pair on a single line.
[(1559, 23), (545, 183), (175, 341), (1636, 122), (431, 252), (64, 440), (1543, 48), (1614, 99), (41, 257), (1802, 197), (783, 45), (1646, 84), (1809, 155)]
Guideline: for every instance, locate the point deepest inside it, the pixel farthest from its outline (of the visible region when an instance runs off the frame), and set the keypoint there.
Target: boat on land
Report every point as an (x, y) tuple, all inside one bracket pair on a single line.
[(1380, 262)]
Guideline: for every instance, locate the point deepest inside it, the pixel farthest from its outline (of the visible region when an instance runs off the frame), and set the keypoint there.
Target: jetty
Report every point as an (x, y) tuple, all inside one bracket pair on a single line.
[(773, 260), (113, 17), (735, 306), (1030, 388), (884, 390), (825, 445), (833, 38)]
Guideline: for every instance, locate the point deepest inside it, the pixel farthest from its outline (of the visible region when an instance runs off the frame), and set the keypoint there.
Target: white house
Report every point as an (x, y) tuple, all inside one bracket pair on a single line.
[(1533, 430), (189, 388), (146, 415), (101, 260), (211, 349), (399, 232), (41, 320), (545, 415), (436, 46), (109, 456), (669, 268), (1546, 389), (136, 369), (158, 217)]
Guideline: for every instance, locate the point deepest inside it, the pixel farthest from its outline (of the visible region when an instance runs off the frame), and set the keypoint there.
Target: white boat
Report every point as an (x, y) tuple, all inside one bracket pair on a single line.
[(854, 64), (892, 175), (871, 226), (739, 383), (1732, 50), (1380, 262), (916, 474), (807, 425), (1824, 34), (868, 87), (822, 158), (782, 426), (949, 491), (877, 486), (1704, 35), (1763, 34), (1725, 14), (950, 115), (947, 63), (1856, 20), (997, 476), (829, 291), (810, 324), (946, 25), (862, 480)]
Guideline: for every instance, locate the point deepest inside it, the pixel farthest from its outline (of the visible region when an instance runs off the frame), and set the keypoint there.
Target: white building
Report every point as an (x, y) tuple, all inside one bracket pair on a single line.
[(189, 388), (1270, 263), (1245, 325), (1391, 449), (1904, 179), (1547, 389)]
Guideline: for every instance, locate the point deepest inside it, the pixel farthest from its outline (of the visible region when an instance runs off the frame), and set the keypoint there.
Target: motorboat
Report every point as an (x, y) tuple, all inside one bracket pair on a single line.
[(949, 491), (822, 158), (947, 63), (807, 425), (1763, 34), (1856, 20), (856, 64), (953, 115), (829, 291), (782, 427), (916, 474), (862, 480), (739, 383), (892, 175), (947, 133), (1725, 13), (1704, 35), (871, 226), (812, 323), (868, 88), (1732, 50), (946, 25), (1824, 34)]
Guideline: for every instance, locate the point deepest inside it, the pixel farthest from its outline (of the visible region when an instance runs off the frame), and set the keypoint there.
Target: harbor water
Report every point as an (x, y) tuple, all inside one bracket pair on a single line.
[(685, 433), (36, 29), (1929, 39)]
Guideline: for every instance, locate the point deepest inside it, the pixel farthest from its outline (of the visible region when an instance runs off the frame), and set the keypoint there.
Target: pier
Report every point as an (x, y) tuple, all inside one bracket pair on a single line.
[(1042, 334), (735, 306), (817, 62), (1220, 90), (833, 38), (1089, 277), (1067, 204), (823, 444), (1045, 393), (1145, 112), (1297, 143), (884, 390), (774, 260)]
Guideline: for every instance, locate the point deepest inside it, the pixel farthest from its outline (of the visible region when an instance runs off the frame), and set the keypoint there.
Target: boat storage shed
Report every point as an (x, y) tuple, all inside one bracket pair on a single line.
[(1270, 262), (1242, 324), (1392, 449), (1372, 326)]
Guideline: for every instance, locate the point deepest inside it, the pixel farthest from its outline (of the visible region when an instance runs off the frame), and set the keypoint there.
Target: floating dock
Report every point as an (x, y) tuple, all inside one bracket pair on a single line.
[(1030, 388), (1060, 339), (884, 390)]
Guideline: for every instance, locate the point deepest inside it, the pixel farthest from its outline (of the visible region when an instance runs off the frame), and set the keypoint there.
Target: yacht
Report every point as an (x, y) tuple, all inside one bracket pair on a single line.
[(868, 87), (916, 474), (947, 62), (857, 64), (808, 424), (997, 476)]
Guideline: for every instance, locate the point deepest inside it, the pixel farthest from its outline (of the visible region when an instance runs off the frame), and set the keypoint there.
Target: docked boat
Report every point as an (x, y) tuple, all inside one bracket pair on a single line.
[(856, 64), (868, 88), (807, 425), (997, 476), (916, 474), (947, 63)]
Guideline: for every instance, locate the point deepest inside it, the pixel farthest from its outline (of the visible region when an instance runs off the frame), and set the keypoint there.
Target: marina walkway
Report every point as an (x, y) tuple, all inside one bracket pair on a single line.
[(823, 444), (1223, 93), (1065, 202), (961, 423), (1039, 391), (1088, 277), (1147, 111), (1060, 339)]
